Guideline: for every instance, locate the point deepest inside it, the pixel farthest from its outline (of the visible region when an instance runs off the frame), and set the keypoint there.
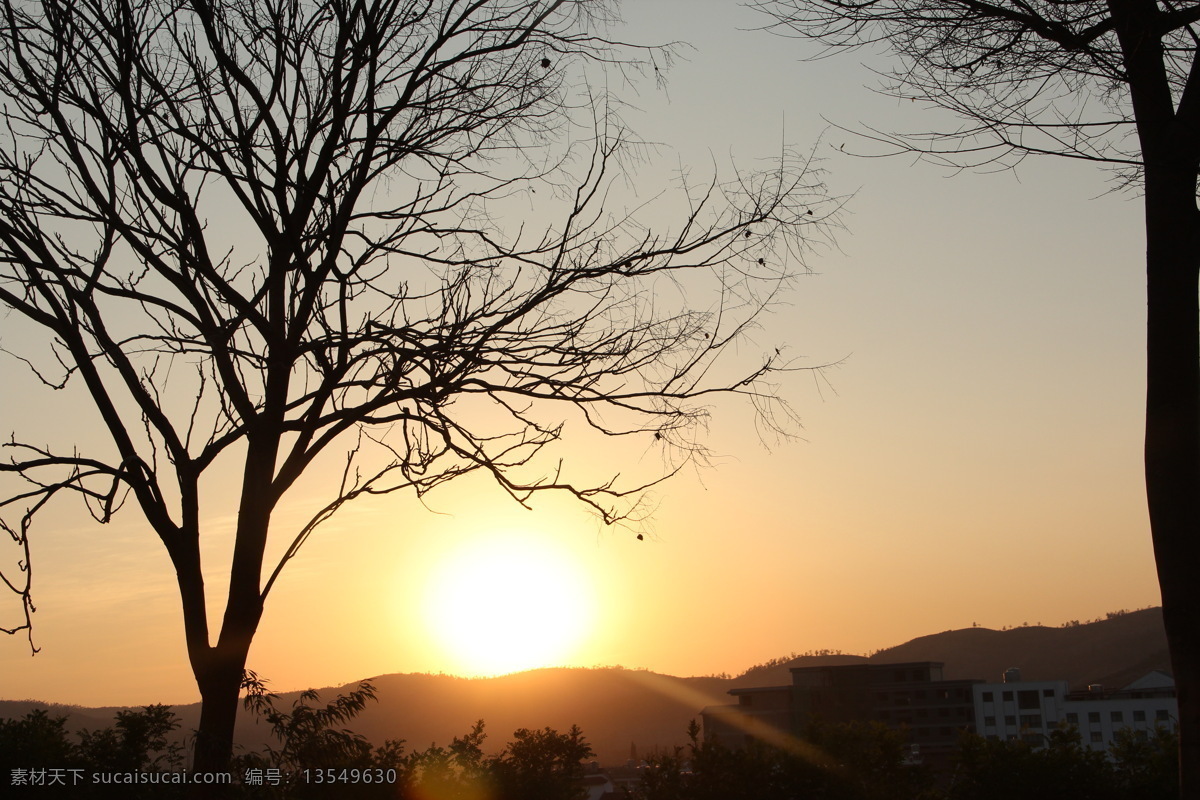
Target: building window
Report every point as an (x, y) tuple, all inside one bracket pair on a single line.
[(1117, 716), (1073, 718), (987, 697), (989, 722), (898, 676), (1094, 717), (1031, 720), (1097, 736), (1047, 693), (919, 693), (1139, 715), (945, 732), (1007, 696), (943, 711), (1028, 699), (1010, 720), (1161, 715)]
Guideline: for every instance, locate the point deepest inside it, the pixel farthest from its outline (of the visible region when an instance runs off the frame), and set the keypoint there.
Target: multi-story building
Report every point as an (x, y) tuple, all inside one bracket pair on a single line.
[(1018, 709), (913, 697), (1031, 709), (933, 712)]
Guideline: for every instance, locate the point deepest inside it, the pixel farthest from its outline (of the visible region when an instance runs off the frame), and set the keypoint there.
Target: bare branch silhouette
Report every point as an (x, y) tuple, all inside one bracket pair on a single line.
[(259, 232)]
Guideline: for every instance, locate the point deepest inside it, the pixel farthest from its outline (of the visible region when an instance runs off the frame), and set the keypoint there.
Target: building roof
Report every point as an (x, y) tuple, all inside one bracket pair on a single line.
[(1155, 679), (760, 690)]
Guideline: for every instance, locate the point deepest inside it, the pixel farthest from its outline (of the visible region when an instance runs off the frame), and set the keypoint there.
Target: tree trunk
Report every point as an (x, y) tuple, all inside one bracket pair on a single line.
[(1172, 450), (220, 683), (1169, 139), (219, 669)]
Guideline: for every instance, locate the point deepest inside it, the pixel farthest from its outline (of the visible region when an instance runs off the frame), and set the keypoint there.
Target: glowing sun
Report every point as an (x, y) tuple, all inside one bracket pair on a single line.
[(507, 604)]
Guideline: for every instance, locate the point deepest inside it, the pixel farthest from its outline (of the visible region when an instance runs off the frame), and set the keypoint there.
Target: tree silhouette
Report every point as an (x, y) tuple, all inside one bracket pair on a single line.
[(840, 761), (262, 233), (1116, 82), (542, 765), (37, 751)]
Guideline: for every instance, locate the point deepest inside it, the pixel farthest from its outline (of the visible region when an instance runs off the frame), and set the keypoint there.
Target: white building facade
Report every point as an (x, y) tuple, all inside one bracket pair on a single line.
[(1030, 710)]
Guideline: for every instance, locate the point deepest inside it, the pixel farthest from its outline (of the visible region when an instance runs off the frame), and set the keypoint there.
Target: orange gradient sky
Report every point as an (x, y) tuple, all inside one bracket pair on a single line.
[(974, 458)]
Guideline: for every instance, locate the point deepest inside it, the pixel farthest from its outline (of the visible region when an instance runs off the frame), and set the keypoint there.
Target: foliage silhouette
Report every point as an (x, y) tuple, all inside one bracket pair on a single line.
[(306, 734), (1137, 765), (857, 761), (542, 765), (854, 761), (837, 762), (1147, 767), (535, 765), (138, 741), (1063, 768)]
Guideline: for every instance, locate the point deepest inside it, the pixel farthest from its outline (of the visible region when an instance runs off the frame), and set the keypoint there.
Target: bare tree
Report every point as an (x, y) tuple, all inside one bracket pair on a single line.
[(1115, 82), (259, 232)]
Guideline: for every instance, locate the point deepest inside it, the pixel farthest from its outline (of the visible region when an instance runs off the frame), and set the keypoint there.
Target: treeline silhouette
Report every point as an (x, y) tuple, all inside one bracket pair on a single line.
[(869, 761), (313, 755), (783, 661)]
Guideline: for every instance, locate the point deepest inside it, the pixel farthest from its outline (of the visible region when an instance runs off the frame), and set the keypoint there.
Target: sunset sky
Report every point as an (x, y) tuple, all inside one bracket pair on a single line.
[(973, 457)]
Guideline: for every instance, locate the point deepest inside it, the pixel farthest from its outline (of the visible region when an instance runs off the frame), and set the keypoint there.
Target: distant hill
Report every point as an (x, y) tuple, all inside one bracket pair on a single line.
[(1113, 651), (619, 708), (616, 708)]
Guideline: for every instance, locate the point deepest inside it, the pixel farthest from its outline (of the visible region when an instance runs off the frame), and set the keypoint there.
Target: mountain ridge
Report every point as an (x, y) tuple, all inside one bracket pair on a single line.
[(630, 713)]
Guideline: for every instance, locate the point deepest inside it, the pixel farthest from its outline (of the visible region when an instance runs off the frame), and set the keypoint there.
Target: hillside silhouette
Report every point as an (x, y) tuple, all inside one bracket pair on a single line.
[(618, 708), (1113, 652)]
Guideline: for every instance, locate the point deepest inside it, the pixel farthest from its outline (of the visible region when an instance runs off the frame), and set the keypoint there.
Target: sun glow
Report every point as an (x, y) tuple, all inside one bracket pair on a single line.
[(508, 603)]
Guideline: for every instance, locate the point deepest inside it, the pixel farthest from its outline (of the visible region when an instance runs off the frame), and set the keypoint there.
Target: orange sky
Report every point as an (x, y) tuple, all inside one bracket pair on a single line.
[(974, 458)]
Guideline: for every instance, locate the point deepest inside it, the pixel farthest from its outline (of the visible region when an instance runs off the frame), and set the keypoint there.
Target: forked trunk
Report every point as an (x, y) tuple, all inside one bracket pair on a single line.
[(219, 684), (218, 669)]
